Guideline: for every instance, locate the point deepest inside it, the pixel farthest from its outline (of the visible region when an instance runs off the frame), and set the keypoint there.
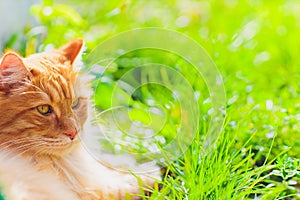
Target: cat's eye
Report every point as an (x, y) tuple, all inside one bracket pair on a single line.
[(75, 103), (44, 109)]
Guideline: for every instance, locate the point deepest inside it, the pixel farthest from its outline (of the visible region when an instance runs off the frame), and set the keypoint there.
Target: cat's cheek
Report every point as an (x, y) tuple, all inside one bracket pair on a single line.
[(50, 123), (81, 114)]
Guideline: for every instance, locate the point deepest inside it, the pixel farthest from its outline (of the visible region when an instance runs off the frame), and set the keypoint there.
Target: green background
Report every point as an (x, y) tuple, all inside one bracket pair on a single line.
[(255, 45)]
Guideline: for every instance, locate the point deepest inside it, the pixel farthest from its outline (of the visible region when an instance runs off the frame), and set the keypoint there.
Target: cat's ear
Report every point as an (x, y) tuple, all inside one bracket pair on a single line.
[(12, 70), (72, 49)]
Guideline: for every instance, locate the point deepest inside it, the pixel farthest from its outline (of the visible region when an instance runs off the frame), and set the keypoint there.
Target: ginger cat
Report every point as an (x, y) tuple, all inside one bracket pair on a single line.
[(42, 115)]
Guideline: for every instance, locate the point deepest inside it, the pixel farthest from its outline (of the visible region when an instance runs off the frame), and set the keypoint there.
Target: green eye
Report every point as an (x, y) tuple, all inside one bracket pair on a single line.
[(44, 109), (75, 103)]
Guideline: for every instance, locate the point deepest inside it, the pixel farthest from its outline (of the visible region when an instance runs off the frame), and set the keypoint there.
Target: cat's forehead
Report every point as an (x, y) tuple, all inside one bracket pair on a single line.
[(53, 75)]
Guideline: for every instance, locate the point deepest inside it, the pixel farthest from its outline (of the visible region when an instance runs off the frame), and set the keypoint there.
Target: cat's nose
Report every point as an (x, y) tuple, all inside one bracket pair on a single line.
[(71, 134)]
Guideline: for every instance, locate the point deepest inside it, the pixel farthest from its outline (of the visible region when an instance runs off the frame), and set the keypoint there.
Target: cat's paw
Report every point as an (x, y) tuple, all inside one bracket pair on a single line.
[(137, 185)]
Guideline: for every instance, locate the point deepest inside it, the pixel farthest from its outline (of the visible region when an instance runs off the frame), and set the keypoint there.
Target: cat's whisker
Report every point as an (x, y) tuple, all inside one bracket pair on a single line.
[(9, 143), (29, 138), (28, 143), (16, 152), (50, 139), (19, 151), (26, 150), (38, 144), (35, 144)]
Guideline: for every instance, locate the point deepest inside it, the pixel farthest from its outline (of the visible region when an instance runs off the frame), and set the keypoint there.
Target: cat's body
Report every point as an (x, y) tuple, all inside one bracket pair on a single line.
[(42, 114), (75, 176)]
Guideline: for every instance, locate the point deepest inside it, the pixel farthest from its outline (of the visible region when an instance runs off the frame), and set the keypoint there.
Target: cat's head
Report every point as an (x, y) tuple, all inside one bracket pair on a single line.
[(41, 106)]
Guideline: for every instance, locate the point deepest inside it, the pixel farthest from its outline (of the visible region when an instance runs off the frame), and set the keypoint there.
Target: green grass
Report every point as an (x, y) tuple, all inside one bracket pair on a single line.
[(222, 174), (255, 46)]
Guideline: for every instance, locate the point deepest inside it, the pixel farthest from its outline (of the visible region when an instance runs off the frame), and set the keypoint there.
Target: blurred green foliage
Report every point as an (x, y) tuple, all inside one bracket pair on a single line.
[(254, 43)]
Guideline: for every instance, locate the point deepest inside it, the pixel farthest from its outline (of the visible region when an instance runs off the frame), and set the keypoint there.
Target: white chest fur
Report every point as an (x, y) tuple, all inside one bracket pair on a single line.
[(76, 176)]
